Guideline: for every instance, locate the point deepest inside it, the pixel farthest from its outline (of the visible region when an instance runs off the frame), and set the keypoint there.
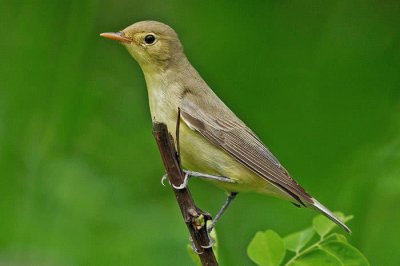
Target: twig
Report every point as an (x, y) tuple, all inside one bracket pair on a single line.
[(194, 218)]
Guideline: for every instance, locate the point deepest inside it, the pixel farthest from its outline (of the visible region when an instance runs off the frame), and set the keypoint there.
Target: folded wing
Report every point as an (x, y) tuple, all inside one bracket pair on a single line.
[(224, 129)]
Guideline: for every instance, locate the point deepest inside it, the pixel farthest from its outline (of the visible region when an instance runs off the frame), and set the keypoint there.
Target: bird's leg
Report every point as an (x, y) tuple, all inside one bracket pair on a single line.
[(224, 207), (189, 174)]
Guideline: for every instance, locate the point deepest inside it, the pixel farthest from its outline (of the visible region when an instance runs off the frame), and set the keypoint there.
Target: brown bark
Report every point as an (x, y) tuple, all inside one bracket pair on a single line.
[(194, 218)]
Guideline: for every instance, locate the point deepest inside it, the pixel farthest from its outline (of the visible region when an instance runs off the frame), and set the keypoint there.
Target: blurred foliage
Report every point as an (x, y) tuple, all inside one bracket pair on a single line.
[(329, 248), (79, 170)]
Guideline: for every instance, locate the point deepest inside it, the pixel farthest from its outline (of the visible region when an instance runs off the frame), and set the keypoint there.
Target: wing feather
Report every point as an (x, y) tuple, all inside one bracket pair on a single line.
[(225, 130)]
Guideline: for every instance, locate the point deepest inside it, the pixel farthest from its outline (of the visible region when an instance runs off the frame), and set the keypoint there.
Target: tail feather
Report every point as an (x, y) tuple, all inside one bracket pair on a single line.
[(329, 214)]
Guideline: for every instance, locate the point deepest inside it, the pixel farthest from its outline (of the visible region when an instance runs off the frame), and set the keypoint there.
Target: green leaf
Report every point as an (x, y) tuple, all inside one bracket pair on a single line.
[(347, 254), (316, 257), (266, 248), (322, 225), (213, 235), (296, 241), (340, 237), (193, 255)]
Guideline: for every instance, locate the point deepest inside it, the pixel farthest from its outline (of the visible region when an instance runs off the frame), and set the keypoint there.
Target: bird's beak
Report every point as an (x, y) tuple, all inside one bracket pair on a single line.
[(117, 36)]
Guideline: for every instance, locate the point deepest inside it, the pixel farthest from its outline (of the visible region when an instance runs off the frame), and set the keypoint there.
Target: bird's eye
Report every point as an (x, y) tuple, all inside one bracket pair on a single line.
[(149, 39)]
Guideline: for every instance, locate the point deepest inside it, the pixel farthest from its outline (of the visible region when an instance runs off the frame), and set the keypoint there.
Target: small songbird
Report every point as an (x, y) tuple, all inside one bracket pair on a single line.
[(214, 143)]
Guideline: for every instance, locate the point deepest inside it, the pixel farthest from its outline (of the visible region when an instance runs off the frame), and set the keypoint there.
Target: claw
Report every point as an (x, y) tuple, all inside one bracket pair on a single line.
[(181, 186), (194, 247), (210, 245), (163, 179)]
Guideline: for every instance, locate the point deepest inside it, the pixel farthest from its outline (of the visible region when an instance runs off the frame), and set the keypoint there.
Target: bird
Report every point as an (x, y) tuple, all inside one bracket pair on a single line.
[(214, 143)]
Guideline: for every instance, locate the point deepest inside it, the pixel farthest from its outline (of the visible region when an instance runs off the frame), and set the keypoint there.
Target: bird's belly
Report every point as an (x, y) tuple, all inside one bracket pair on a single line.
[(200, 155)]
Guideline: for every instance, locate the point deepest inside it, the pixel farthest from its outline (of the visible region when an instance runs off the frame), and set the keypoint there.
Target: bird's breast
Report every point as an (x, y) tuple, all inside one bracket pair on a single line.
[(163, 101)]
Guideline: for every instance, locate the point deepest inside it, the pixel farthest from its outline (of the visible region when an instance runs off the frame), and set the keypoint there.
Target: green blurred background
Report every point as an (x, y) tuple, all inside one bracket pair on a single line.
[(319, 81)]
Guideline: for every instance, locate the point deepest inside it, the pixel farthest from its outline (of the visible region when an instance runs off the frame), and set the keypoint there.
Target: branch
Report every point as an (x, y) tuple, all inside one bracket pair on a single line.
[(194, 218)]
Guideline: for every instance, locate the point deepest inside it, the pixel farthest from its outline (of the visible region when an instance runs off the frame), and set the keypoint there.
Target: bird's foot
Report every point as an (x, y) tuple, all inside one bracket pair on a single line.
[(185, 182), (189, 174), (211, 239), (194, 247), (210, 244)]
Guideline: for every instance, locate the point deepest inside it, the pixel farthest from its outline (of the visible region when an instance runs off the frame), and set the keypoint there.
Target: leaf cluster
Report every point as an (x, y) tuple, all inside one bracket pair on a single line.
[(316, 245)]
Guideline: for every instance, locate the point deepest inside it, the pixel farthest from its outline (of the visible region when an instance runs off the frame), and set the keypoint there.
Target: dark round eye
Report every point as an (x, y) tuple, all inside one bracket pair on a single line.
[(150, 39)]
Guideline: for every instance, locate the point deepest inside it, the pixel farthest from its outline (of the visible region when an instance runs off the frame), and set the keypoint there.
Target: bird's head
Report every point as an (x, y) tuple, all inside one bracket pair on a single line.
[(151, 43)]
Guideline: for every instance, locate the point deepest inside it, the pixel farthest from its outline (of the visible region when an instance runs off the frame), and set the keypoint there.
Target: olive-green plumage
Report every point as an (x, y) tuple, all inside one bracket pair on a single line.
[(213, 140)]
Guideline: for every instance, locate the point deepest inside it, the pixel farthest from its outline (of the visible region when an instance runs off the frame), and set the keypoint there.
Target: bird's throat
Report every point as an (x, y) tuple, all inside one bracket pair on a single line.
[(163, 102)]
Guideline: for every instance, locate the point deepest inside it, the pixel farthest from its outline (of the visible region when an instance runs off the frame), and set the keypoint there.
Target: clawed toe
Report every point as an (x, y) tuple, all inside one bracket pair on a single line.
[(211, 243), (163, 179), (194, 247), (181, 186), (184, 184)]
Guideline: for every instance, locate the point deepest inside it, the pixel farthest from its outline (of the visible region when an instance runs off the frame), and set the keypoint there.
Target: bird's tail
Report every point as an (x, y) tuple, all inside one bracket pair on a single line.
[(318, 206)]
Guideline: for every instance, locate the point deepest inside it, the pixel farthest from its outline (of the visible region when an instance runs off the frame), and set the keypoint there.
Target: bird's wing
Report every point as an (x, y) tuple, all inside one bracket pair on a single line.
[(222, 128)]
